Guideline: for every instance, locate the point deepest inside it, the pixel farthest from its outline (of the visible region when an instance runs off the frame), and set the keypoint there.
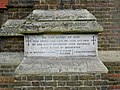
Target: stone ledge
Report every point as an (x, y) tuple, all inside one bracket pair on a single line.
[(67, 14), (109, 56), (11, 58), (62, 27), (66, 65)]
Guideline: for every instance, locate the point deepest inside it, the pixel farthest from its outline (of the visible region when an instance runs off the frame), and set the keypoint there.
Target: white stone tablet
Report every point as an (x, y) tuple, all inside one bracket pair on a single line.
[(60, 45)]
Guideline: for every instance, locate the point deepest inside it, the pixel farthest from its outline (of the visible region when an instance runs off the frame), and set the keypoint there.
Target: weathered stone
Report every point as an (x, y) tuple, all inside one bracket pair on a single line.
[(11, 28), (61, 21), (60, 65), (62, 27), (39, 15), (67, 22), (13, 58)]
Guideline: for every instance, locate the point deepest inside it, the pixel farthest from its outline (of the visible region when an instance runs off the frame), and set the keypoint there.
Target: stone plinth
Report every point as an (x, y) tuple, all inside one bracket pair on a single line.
[(60, 42)]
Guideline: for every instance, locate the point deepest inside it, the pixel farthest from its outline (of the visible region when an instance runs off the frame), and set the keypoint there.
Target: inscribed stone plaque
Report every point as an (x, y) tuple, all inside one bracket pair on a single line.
[(60, 45)]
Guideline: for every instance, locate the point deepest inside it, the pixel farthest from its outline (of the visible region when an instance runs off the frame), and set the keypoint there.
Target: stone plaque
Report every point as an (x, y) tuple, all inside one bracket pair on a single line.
[(60, 45)]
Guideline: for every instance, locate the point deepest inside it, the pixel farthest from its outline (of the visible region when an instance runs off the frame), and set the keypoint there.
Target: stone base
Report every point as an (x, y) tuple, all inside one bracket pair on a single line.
[(60, 65)]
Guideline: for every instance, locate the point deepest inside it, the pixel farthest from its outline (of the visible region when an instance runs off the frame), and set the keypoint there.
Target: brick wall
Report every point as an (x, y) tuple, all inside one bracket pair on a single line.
[(18, 12), (7, 76), (1, 15), (110, 81), (61, 82), (113, 75), (11, 44)]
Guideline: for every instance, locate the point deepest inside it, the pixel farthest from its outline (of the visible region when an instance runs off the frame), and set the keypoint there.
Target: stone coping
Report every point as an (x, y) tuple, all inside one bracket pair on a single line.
[(66, 14), (53, 21), (67, 27), (12, 28), (61, 21)]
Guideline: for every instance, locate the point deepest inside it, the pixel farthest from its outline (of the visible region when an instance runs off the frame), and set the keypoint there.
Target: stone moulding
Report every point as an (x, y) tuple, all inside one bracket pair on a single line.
[(42, 15), (12, 28), (61, 21), (62, 27), (53, 21)]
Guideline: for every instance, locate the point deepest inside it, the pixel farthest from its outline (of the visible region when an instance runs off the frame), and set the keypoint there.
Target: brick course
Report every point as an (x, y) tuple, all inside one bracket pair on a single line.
[(7, 77), (65, 82)]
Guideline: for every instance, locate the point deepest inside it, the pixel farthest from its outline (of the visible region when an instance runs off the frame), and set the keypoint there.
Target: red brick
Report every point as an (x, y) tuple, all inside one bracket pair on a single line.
[(6, 80), (115, 87), (114, 75)]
